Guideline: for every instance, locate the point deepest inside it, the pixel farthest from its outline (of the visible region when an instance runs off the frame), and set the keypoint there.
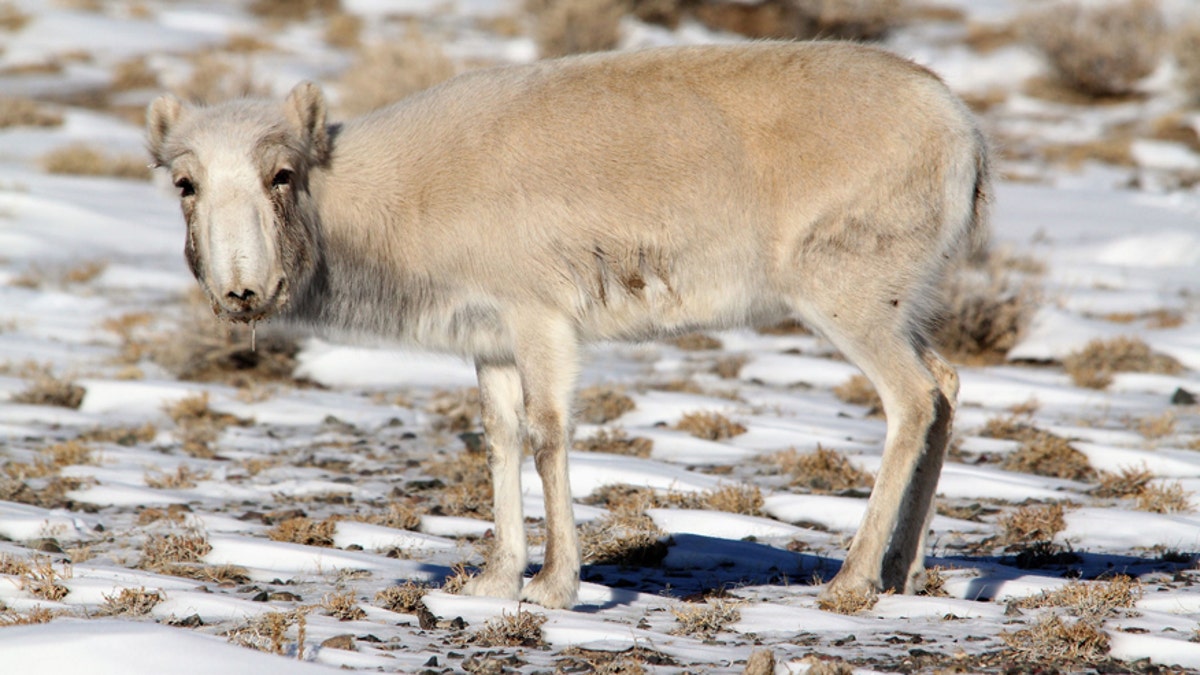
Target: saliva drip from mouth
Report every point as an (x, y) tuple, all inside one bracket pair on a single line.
[(253, 335)]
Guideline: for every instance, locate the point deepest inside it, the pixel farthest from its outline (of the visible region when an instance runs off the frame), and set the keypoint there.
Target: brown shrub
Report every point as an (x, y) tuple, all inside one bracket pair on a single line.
[(522, 629), (80, 159), (1128, 483), (858, 390), (468, 481), (385, 73), (36, 615), (405, 598), (601, 405), (1170, 498), (343, 30), (708, 619), (1041, 452), (710, 426), (457, 411), (165, 552), (42, 580), (134, 73), (822, 470), (1157, 426), (198, 425), (696, 342), (1095, 364), (130, 602), (988, 303), (728, 367), (744, 499), (183, 478), (1053, 640), (303, 530), (343, 606), (268, 632), (564, 27), (617, 443), (1032, 524), (1089, 598), (12, 19), (1102, 49), (851, 19), (293, 10), (803, 19), (847, 601), (24, 112), (215, 79), (49, 390)]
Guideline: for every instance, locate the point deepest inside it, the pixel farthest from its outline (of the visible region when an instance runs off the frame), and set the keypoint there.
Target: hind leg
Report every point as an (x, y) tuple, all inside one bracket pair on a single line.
[(917, 390)]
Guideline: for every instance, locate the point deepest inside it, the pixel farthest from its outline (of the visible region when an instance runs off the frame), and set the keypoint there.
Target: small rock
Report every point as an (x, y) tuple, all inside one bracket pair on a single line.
[(46, 545), (193, 621), (761, 662), (1183, 397), (344, 641), (432, 662)]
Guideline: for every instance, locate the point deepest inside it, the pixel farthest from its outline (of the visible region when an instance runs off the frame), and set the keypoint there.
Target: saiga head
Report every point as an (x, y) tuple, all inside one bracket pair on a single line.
[(242, 169)]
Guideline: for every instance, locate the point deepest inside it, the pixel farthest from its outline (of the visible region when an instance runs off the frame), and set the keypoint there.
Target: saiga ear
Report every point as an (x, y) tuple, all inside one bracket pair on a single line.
[(162, 114), (306, 112)]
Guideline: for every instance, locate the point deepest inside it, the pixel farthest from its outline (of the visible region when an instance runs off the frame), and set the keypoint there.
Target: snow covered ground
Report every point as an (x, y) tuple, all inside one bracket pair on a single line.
[(90, 267)]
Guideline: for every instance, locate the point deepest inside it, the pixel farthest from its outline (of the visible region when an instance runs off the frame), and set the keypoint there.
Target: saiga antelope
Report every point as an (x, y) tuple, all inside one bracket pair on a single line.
[(512, 215)]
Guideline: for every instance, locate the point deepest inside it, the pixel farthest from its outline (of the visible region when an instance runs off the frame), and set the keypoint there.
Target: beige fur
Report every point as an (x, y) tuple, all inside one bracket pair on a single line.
[(512, 215)]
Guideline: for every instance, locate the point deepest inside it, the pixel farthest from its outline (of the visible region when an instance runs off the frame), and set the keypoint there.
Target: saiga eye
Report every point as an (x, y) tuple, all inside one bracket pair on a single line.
[(282, 178)]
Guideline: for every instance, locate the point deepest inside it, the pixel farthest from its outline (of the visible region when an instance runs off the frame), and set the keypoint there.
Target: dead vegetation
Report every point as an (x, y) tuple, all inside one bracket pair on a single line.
[(601, 404), (989, 300), (1101, 49), (467, 484), (404, 598), (1032, 524), (564, 27), (170, 553), (521, 629), (46, 389), (304, 530), (197, 426), (1185, 47), (50, 460), (708, 619), (858, 390), (39, 578), (1095, 364), (216, 78), (80, 159), (184, 477), (711, 426), (268, 632), (343, 606), (847, 601), (1072, 631), (24, 112), (626, 536), (130, 602), (616, 442), (859, 20), (385, 73), (822, 471), (1164, 498), (33, 616), (1040, 452), (293, 10)]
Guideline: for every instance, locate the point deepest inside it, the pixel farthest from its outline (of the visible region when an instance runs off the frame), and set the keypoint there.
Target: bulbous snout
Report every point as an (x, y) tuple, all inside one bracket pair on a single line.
[(244, 276)]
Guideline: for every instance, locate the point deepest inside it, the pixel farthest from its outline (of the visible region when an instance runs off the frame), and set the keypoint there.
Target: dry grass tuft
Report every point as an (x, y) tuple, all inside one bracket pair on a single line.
[(121, 435), (293, 10), (405, 598), (343, 30), (523, 629), (1095, 364), (1157, 426), (50, 461), (34, 616), (696, 342), (1128, 483), (745, 499), (80, 159), (457, 411), (1164, 498), (858, 20), (617, 443), (847, 601), (24, 112), (12, 19), (468, 481), (269, 632), (852, 19), (304, 530), (564, 27), (706, 620), (625, 539), (40, 579), (822, 471), (343, 606), (130, 602), (49, 390), (385, 73), (988, 302), (1101, 49), (601, 405), (166, 553), (712, 426), (1055, 640), (402, 515), (198, 425), (215, 79), (1041, 452), (858, 390), (183, 478), (1032, 524), (1089, 598)]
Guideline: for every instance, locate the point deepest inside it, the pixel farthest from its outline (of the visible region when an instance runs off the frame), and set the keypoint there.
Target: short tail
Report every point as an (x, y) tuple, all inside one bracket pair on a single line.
[(979, 231)]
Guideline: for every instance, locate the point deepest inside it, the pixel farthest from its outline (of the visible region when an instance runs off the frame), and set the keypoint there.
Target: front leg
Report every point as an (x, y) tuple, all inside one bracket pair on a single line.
[(501, 399), (548, 361)]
